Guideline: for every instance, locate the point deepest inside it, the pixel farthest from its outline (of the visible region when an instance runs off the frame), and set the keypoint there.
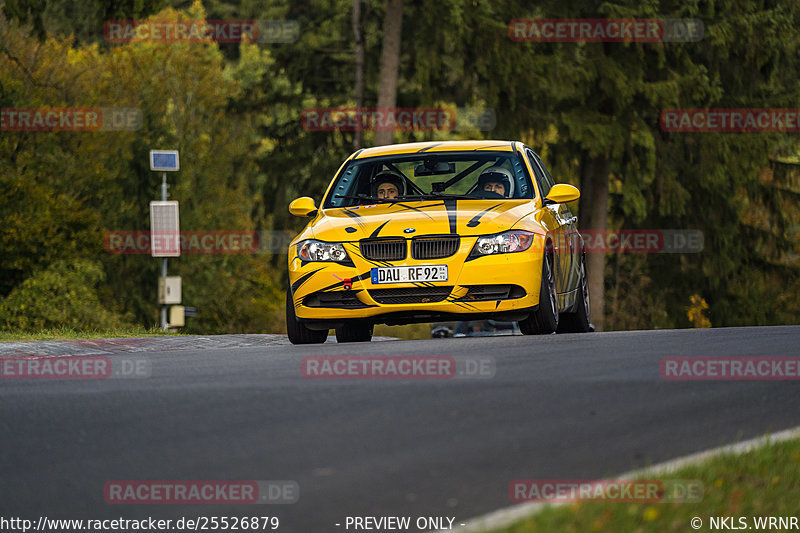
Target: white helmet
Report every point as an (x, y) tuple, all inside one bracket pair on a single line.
[(499, 175)]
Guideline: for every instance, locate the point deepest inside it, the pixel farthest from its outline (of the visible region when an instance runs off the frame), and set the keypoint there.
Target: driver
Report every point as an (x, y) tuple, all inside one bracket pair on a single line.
[(387, 185), (497, 180)]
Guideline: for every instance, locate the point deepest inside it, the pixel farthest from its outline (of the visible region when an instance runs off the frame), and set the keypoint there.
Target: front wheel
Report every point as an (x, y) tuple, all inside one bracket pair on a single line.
[(579, 321), (354, 333), (296, 331), (545, 318)]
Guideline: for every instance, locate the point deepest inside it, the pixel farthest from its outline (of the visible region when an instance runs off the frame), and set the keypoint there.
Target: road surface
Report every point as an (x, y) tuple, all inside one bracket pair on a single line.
[(581, 406)]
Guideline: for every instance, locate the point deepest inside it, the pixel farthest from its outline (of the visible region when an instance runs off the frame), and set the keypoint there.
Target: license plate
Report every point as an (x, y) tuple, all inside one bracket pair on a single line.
[(405, 274)]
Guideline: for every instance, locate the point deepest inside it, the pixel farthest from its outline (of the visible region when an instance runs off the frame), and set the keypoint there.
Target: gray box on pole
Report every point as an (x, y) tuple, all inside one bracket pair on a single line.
[(169, 290), (165, 232)]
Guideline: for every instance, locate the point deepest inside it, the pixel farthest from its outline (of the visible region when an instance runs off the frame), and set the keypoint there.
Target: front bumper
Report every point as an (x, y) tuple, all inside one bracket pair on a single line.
[(502, 286)]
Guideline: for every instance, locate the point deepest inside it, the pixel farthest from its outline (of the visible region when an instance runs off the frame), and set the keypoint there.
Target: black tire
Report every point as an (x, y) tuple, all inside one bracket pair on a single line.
[(579, 321), (355, 332), (545, 319), (297, 332)]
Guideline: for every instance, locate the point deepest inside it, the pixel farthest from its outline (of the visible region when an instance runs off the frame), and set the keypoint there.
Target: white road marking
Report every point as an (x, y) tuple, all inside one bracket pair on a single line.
[(505, 517)]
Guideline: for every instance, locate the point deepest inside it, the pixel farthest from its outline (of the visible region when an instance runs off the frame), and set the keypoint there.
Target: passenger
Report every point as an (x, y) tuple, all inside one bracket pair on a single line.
[(497, 180)]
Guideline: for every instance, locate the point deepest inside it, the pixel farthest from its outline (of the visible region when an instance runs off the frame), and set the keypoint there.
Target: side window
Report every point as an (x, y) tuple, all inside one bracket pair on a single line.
[(354, 180), (542, 177), (524, 187), (345, 185), (547, 178)]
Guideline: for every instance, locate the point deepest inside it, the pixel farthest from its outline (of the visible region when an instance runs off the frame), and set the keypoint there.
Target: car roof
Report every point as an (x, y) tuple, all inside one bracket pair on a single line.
[(436, 146)]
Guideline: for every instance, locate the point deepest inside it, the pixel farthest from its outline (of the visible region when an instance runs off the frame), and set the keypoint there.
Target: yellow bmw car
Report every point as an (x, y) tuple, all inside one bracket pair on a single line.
[(435, 231)]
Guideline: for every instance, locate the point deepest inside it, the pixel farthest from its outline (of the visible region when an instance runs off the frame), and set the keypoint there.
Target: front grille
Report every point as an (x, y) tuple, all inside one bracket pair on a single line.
[(477, 293), (411, 295), (384, 250), (434, 247), (335, 299)]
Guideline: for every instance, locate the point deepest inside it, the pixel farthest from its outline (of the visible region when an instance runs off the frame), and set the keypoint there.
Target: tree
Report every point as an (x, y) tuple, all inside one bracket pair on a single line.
[(590, 109), (359, 67), (390, 64)]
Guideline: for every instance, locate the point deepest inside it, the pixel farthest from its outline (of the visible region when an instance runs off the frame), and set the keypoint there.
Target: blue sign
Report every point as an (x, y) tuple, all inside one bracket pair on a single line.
[(164, 160)]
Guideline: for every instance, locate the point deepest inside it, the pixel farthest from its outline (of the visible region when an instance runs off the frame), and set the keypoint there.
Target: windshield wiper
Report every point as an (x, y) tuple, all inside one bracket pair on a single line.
[(435, 196), (364, 197), (456, 196), (427, 196)]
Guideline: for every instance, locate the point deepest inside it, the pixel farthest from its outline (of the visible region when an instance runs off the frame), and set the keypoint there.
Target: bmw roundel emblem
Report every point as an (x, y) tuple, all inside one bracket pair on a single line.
[(409, 230)]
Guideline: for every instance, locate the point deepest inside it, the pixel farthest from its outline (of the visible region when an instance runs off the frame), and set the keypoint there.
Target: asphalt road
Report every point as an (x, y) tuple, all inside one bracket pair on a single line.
[(557, 407)]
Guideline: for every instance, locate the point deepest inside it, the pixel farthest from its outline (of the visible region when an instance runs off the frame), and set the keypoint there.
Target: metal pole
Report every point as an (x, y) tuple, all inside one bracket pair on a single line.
[(164, 259)]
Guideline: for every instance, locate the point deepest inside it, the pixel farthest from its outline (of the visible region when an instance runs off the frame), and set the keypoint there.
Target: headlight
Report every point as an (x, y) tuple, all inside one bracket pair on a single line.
[(503, 243), (322, 251)]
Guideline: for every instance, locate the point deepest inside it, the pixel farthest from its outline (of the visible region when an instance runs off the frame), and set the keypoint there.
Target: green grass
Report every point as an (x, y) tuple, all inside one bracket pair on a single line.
[(411, 331), (762, 482), (60, 334)]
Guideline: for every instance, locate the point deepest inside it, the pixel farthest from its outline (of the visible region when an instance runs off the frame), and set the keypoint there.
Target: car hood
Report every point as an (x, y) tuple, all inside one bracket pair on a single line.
[(435, 217)]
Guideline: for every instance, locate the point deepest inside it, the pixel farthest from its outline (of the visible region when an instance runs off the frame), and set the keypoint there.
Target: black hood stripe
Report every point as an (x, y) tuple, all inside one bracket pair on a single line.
[(355, 216), (474, 221), (418, 209), (452, 213), (378, 230)]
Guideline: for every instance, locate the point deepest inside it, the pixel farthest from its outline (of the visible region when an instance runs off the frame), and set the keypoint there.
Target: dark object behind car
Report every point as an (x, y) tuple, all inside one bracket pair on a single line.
[(473, 328)]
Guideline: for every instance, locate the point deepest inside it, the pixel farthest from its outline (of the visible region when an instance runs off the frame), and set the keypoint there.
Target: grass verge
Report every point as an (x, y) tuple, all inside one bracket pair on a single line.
[(66, 334), (410, 331), (759, 483)]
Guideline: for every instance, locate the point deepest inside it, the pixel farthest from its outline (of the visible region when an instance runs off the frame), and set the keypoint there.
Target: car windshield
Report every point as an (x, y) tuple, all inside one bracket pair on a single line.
[(495, 175)]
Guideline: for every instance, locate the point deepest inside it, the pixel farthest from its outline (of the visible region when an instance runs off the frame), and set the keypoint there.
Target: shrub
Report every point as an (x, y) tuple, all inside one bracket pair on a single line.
[(62, 295)]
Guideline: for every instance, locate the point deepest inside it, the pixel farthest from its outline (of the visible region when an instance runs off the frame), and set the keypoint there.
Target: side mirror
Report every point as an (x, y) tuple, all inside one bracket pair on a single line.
[(303, 207), (561, 193)]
